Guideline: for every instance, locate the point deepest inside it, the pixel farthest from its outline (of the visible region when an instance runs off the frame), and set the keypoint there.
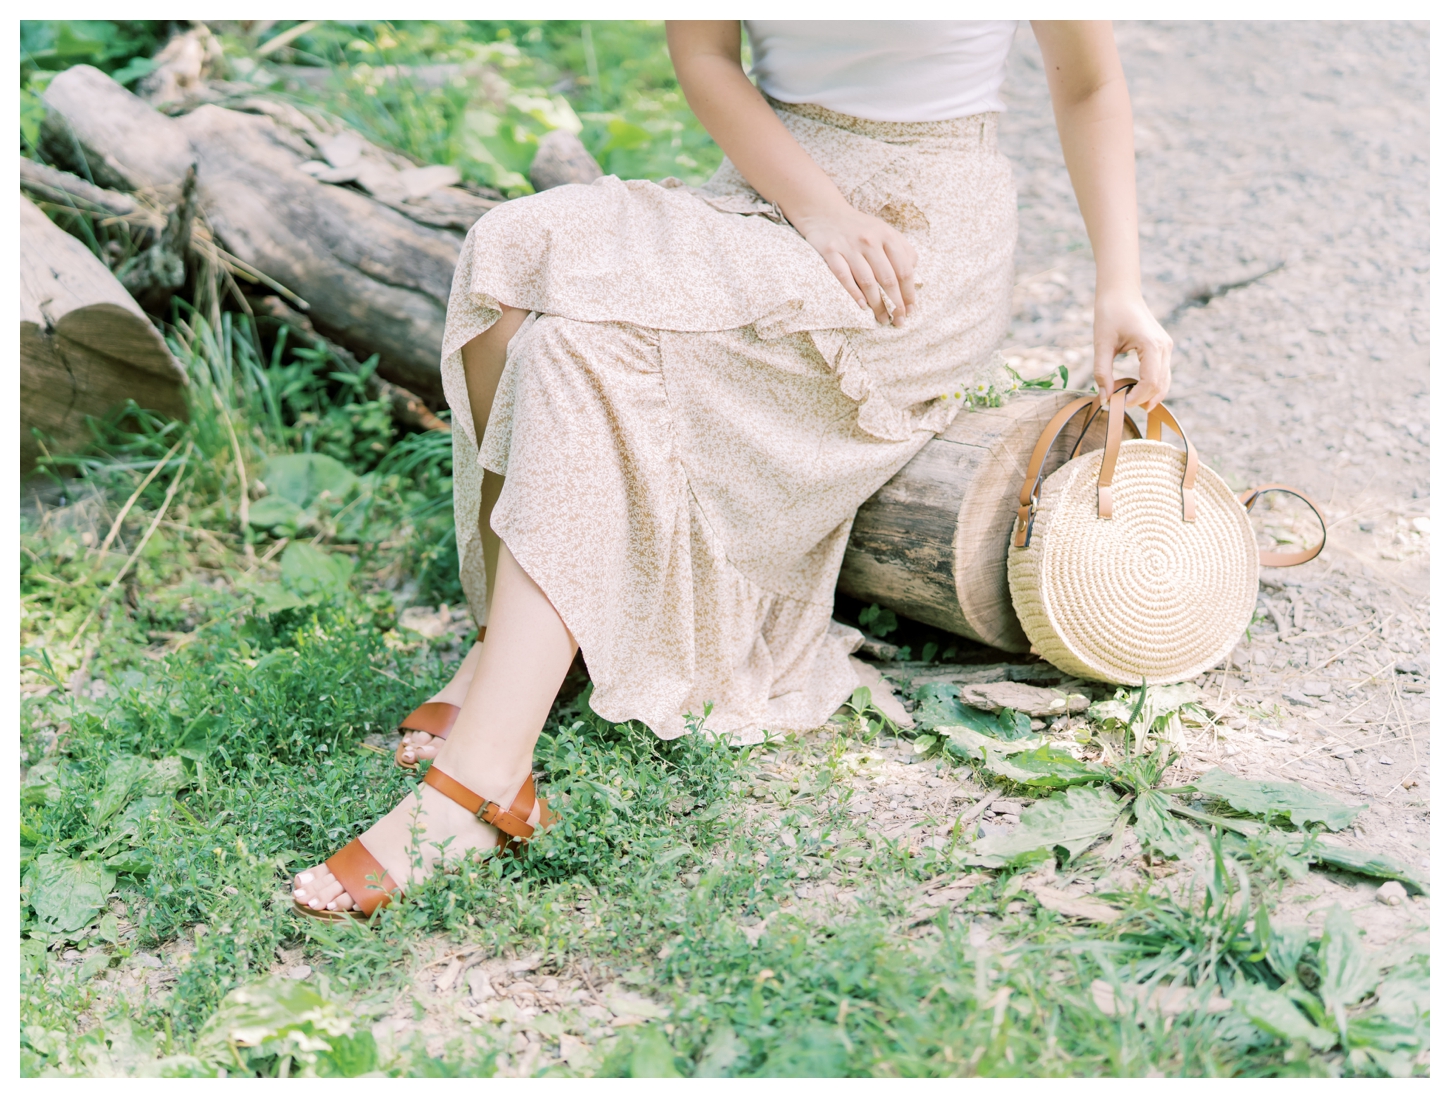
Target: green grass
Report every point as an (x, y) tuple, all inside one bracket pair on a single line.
[(249, 663)]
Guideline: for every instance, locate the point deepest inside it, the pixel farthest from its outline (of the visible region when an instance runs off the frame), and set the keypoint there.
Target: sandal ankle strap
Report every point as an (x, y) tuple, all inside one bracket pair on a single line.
[(512, 821)]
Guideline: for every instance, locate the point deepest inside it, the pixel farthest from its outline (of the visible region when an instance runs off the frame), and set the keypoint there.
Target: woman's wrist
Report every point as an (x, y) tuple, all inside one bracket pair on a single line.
[(806, 211)]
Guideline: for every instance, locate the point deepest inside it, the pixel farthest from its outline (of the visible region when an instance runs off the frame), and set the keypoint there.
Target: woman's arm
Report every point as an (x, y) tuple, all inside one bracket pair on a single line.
[(873, 261), (1095, 123)]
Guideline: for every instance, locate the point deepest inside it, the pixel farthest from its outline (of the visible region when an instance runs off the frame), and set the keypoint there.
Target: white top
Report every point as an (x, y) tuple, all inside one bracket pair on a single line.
[(906, 71)]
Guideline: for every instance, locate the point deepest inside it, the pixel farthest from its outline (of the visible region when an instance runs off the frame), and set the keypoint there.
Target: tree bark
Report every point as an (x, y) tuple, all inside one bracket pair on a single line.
[(375, 265), (932, 543), (85, 346)]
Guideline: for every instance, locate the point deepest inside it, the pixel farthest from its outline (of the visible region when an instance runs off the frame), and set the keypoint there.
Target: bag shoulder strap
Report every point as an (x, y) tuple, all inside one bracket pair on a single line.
[(1270, 559)]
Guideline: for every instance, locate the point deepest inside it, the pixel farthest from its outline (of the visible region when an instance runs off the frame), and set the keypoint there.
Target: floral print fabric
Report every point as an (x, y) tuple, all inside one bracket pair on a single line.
[(695, 408)]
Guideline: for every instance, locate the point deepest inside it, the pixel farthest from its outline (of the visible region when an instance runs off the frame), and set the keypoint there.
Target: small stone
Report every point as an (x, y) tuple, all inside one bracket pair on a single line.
[(1391, 893), (1315, 689), (299, 972), (1385, 760), (1407, 667), (71, 955)]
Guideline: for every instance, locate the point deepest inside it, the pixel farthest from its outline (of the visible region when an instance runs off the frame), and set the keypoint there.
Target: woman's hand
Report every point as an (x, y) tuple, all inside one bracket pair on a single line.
[(876, 263), (1122, 323)]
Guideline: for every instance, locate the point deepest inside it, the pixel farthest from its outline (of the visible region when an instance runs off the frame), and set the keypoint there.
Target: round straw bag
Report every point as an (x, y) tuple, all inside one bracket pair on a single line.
[(1135, 563)]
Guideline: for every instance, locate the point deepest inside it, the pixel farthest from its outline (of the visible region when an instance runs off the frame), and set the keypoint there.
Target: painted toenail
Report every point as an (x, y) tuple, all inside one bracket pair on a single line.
[(315, 904), (306, 878)]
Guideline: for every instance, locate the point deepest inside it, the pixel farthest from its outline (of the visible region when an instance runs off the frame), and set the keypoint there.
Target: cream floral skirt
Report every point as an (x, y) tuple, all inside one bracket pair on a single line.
[(695, 408)]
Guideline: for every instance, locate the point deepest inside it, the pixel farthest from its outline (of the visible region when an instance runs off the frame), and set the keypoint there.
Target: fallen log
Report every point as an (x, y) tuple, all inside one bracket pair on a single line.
[(85, 345), (374, 268), (932, 543), (562, 158)]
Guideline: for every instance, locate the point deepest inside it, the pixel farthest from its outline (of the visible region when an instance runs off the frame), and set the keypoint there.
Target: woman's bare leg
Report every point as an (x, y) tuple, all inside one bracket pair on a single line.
[(483, 361), (524, 658)]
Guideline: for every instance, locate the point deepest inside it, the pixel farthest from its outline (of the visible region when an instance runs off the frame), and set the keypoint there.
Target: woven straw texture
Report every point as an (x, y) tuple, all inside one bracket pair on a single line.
[(1143, 594)]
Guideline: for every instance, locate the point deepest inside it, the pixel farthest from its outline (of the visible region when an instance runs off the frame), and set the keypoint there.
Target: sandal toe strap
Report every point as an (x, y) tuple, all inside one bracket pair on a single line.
[(366, 879), (512, 821), (435, 718)]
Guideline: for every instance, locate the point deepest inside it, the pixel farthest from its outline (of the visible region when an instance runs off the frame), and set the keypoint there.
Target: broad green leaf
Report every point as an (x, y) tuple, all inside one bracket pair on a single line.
[(1362, 861), (964, 742), (350, 1056), (1275, 1013), (288, 1016), (199, 736), (939, 704), (167, 776), (1157, 827), (722, 1049), (1071, 820), (1044, 767), (304, 478), (66, 894), (125, 777), (1345, 973), (312, 573), (42, 784), (653, 1056), (1277, 799), (814, 1051), (1397, 1026), (270, 511), (1286, 948), (136, 863)]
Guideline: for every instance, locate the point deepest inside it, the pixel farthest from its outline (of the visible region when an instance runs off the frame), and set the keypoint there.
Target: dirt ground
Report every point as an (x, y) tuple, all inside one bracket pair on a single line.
[(1283, 173)]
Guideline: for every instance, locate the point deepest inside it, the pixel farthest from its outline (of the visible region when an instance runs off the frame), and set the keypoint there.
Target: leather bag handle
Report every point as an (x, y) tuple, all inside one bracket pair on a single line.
[(1117, 413), (1027, 499), (1271, 559)]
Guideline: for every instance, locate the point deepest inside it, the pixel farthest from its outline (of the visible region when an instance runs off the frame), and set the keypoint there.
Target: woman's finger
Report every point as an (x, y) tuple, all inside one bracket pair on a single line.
[(1153, 356), (1103, 354), (903, 260), (866, 279), (890, 287), (842, 270)]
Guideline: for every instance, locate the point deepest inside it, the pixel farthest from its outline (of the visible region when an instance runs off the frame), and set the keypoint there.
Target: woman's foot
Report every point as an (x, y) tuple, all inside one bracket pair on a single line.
[(418, 745), (445, 830)]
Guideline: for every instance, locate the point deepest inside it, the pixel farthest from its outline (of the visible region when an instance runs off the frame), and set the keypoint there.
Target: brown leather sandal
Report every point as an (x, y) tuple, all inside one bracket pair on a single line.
[(371, 886), (435, 718)]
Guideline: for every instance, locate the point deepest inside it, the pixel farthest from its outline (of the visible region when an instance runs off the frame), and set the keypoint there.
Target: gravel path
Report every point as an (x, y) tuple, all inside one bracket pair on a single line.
[(1284, 187)]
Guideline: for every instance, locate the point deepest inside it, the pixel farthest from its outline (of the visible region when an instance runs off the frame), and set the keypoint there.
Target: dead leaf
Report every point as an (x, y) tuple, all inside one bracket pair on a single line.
[(634, 1006), (573, 1051), (1074, 906), (1035, 701), (1168, 1001), (449, 975), (479, 985)]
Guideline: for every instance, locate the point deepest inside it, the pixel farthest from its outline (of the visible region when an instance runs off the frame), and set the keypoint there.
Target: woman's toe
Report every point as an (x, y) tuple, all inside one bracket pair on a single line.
[(428, 750), (309, 883)]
